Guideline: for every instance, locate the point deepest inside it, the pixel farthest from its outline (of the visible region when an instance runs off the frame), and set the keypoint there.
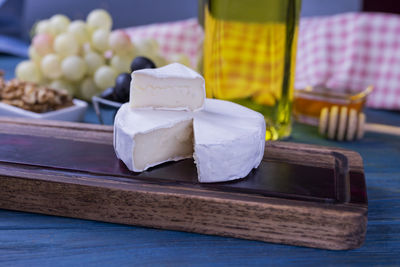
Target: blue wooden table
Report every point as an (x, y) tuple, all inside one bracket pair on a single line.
[(36, 240)]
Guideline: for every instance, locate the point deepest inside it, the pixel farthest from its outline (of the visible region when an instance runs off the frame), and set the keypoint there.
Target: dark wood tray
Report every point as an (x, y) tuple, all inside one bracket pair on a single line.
[(300, 195)]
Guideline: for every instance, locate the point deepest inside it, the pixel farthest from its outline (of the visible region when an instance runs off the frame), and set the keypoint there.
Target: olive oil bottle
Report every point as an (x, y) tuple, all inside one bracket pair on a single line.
[(249, 56)]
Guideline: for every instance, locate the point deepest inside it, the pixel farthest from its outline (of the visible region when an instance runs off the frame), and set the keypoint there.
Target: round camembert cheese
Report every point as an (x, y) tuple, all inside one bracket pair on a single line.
[(225, 139)]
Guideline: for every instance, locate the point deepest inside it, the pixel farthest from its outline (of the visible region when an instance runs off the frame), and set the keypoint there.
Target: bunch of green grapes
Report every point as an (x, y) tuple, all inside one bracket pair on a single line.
[(83, 57)]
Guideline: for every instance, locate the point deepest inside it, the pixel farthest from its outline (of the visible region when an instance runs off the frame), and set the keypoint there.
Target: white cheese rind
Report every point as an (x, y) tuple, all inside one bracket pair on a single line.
[(172, 87), (228, 141)]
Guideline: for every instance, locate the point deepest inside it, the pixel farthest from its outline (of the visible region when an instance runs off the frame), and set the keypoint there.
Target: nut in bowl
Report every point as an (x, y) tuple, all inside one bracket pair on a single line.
[(25, 99)]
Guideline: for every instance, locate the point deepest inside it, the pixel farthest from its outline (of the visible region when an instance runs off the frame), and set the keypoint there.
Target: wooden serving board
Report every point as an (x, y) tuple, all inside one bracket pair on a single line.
[(300, 195)]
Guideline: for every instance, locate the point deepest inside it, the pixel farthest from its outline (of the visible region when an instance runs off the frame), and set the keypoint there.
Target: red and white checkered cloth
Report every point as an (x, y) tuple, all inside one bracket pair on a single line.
[(353, 51), (350, 50), (173, 37)]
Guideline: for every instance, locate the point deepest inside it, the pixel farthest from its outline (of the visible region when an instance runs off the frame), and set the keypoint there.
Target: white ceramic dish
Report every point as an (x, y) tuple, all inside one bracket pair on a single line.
[(72, 113)]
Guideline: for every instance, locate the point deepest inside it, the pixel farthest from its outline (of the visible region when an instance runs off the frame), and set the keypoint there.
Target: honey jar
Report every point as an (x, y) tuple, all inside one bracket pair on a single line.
[(309, 102)]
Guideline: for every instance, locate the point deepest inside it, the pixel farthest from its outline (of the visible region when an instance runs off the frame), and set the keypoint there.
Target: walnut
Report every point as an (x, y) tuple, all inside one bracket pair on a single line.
[(33, 97), (43, 96), (29, 96), (12, 93), (15, 102), (2, 81)]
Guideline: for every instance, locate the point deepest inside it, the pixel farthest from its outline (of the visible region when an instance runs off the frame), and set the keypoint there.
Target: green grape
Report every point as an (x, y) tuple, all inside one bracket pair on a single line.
[(132, 53), (88, 89), (120, 42), (73, 68), (78, 28), (158, 59), (93, 61), (87, 48), (147, 47), (100, 40), (65, 44), (34, 56), (121, 63), (43, 26), (28, 71), (180, 58), (51, 66), (59, 23), (99, 19), (43, 43), (104, 77), (63, 85)]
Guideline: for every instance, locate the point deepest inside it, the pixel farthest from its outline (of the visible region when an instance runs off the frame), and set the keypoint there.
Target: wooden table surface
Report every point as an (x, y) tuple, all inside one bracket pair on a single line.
[(37, 240)]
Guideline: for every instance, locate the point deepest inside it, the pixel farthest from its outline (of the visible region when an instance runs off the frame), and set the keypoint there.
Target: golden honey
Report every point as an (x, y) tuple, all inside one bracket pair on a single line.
[(309, 102)]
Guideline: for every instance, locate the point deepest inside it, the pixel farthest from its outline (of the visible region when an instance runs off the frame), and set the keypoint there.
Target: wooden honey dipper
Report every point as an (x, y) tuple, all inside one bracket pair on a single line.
[(344, 124)]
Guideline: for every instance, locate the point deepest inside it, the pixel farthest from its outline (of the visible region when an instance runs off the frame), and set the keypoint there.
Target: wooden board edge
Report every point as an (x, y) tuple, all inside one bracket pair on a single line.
[(355, 159), (290, 222), (57, 124)]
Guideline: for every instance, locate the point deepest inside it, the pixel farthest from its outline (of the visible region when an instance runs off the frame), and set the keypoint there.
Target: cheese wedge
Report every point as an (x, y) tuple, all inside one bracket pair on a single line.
[(174, 87), (229, 141), (145, 138), (225, 139)]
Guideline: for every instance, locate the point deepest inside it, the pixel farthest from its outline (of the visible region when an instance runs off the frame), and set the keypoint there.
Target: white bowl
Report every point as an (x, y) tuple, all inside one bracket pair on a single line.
[(72, 113)]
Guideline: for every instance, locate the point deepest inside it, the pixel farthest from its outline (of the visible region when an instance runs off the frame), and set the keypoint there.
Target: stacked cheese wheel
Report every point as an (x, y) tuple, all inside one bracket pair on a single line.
[(168, 119)]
